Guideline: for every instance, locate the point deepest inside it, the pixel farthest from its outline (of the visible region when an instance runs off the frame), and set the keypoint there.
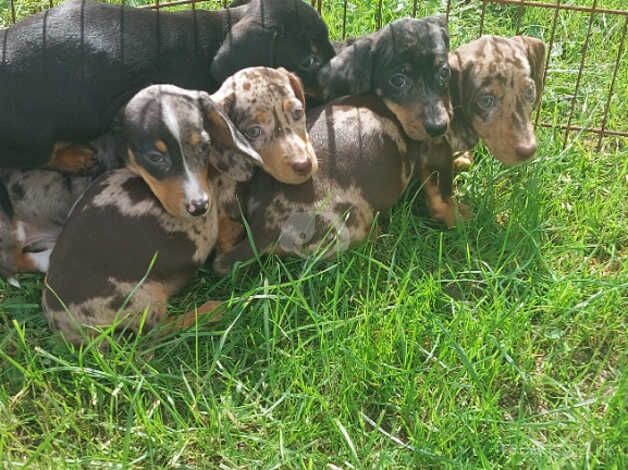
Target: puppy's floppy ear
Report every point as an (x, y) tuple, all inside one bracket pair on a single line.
[(535, 50), (296, 85), (248, 44), (232, 153), (350, 72)]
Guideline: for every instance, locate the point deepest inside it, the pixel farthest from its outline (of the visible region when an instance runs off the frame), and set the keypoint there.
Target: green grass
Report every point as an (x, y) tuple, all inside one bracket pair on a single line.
[(500, 343)]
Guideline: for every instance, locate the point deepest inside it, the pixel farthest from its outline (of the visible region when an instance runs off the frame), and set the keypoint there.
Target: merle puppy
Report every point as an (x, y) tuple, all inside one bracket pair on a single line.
[(405, 65), (64, 73)]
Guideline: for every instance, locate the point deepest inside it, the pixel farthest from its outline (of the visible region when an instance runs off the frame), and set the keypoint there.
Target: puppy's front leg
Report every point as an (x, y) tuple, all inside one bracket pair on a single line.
[(436, 173)]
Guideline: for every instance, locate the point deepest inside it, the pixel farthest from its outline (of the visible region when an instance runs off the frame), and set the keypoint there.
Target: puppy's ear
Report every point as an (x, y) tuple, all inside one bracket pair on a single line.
[(456, 83), (535, 50), (236, 52), (348, 73), (232, 153), (296, 85)]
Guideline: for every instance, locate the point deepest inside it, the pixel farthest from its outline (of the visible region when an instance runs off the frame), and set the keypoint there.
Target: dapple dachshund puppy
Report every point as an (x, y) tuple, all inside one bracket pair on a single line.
[(336, 208), (496, 82), (66, 72), (116, 228), (34, 207)]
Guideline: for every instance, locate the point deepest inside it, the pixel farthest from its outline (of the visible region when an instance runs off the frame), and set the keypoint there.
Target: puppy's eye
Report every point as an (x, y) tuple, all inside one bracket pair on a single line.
[(157, 158), (253, 132), (486, 102), (444, 74), (399, 80), (530, 93), (309, 63), (297, 113)]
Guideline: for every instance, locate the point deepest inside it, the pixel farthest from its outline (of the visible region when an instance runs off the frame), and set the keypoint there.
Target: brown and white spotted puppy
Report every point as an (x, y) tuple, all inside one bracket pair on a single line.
[(496, 82), (365, 163), (156, 143), (98, 267), (35, 205)]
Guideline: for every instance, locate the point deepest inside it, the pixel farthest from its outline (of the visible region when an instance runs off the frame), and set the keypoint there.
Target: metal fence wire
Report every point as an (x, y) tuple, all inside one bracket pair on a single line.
[(579, 96)]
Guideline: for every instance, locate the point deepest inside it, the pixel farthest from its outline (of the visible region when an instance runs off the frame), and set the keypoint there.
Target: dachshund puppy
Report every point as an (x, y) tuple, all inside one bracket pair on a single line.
[(496, 82), (405, 65), (66, 72)]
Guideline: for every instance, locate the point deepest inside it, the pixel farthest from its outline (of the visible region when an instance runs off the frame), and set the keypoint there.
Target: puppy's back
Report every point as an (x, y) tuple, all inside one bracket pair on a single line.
[(106, 248)]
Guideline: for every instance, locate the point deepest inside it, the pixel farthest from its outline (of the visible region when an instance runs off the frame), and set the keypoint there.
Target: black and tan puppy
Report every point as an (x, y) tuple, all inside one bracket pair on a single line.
[(66, 72), (405, 65), (35, 205), (366, 160), (117, 227)]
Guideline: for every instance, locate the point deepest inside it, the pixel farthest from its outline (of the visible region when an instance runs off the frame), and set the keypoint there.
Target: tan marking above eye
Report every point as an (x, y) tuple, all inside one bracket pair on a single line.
[(161, 146), (195, 138)]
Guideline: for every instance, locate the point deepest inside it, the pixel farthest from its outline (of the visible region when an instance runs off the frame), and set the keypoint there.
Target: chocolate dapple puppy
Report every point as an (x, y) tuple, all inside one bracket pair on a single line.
[(115, 230), (496, 83), (65, 72), (365, 163)]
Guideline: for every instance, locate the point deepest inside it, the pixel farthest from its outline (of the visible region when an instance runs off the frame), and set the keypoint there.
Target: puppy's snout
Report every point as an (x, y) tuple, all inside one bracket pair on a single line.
[(525, 151), (302, 167), (436, 128), (198, 207)]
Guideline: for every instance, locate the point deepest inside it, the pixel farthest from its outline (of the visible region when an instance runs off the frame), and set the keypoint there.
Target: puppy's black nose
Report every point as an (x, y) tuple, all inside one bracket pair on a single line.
[(435, 129), (302, 167), (525, 151), (198, 207)]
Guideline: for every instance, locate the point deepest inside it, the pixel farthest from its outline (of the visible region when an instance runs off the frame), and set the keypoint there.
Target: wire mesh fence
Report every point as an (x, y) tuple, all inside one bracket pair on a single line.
[(586, 74)]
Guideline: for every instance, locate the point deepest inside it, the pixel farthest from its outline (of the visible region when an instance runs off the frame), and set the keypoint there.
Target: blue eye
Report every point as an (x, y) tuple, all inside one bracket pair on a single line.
[(399, 80), (486, 102)]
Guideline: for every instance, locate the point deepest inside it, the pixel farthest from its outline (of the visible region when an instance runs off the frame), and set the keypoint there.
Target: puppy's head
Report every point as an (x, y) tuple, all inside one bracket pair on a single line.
[(405, 64), (276, 33), (267, 106), (496, 82), (171, 135)]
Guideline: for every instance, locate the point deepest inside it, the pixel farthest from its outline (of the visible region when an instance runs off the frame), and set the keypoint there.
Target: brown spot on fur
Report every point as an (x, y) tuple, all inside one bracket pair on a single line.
[(246, 86), (194, 138), (72, 158)]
